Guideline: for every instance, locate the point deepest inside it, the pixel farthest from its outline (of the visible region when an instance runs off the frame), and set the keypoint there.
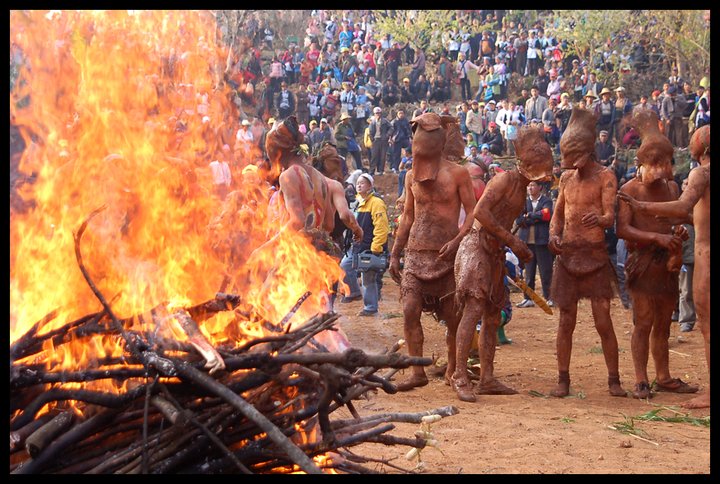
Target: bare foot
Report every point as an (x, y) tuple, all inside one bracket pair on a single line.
[(616, 390), (561, 390), (642, 390), (701, 401), (463, 388), (412, 382), (494, 387)]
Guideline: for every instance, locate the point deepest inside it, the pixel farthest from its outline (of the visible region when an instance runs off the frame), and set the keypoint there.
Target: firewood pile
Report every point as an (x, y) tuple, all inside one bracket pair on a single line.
[(264, 407)]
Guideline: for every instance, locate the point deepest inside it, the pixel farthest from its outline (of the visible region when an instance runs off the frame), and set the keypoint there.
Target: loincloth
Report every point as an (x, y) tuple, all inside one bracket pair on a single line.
[(583, 271), (323, 242), (646, 271), (429, 277), (479, 270)]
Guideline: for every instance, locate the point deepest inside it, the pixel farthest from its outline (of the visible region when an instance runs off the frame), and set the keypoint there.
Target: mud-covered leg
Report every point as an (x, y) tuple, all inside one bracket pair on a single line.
[(488, 340), (608, 340), (566, 327), (412, 310), (472, 311)]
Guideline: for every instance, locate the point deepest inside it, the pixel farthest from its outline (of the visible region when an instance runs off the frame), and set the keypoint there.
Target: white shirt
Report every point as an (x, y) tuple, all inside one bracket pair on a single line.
[(244, 135), (220, 172)]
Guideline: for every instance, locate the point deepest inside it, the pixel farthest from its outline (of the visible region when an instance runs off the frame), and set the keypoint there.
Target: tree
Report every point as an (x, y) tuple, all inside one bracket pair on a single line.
[(423, 28)]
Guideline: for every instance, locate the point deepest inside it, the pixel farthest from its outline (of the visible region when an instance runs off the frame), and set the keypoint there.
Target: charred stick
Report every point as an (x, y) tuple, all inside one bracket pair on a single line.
[(18, 437), (417, 442), (189, 372), (208, 433), (448, 411), (104, 399), (294, 310), (28, 338), (28, 347), (69, 438), (42, 437), (221, 302)]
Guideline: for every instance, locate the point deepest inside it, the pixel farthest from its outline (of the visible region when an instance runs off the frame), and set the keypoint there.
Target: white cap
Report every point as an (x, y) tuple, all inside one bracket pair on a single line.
[(323, 120), (245, 122), (353, 177), (377, 110), (368, 177)]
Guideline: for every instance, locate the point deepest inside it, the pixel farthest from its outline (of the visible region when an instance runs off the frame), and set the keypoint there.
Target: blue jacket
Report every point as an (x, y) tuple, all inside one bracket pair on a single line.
[(539, 218)]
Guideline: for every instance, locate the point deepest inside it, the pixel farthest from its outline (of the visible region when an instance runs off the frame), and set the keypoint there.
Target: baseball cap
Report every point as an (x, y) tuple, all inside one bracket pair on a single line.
[(485, 146), (493, 124), (323, 120), (377, 110), (245, 122), (368, 177)]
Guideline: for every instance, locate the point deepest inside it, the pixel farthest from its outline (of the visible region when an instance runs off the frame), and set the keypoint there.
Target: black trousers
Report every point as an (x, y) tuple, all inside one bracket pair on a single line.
[(542, 259)]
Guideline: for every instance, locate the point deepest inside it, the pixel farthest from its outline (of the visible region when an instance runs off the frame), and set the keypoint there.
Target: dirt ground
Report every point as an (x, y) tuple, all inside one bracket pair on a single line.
[(532, 433)]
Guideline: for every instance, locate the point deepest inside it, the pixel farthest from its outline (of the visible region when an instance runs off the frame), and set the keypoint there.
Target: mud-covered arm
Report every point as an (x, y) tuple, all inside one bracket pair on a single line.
[(467, 199), (557, 222), (679, 209), (625, 229), (496, 190), (609, 192), (406, 221)]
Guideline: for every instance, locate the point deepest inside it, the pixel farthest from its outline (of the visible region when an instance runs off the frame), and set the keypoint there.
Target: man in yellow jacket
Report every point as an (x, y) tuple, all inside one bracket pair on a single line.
[(371, 214)]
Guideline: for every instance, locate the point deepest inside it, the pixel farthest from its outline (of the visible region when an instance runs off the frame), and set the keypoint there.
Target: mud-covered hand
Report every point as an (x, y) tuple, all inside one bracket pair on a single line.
[(681, 231), (521, 250), (449, 250), (395, 269), (555, 244), (670, 242), (590, 220), (634, 204)]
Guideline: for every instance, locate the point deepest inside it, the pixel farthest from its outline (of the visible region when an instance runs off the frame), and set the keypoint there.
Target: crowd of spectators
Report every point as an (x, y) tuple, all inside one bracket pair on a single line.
[(343, 84)]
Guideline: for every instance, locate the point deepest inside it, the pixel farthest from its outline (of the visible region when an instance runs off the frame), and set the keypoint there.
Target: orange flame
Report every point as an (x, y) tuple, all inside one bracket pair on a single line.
[(111, 105)]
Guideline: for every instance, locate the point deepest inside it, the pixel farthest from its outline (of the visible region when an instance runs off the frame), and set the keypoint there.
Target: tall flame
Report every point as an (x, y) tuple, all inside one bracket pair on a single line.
[(111, 105)]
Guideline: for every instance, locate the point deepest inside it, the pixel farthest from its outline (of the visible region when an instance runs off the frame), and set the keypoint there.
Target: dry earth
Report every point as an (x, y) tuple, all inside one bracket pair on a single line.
[(530, 433)]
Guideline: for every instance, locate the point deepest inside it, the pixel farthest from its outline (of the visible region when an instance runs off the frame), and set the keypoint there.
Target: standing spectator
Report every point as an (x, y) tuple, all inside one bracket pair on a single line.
[(523, 99), (371, 214), (553, 87), (605, 111), (563, 111), (655, 101), (313, 103), (534, 51), (373, 89), (623, 111), (418, 66), (671, 113), (392, 61), (534, 225), (444, 71), (686, 306), (302, 110), (592, 84), (285, 102), (474, 121), (453, 44), (424, 108), (362, 110), (541, 81), (550, 124), (243, 143), (536, 105), (604, 149), (380, 131), (514, 121), (314, 136), (326, 132), (676, 80), (401, 139), (462, 69), (348, 99), (221, 174), (330, 104), (491, 113), (642, 105), (520, 45), (405, 166), (589, 101), (345, 140)]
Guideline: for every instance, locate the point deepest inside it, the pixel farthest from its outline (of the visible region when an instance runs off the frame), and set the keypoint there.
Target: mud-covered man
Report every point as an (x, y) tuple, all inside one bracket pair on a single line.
[(435, 191), (584, 209), (480, 261), (693, 205)]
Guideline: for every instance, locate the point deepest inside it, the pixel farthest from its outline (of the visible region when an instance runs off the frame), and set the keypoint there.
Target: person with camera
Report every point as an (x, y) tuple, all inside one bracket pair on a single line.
[(366, 257)]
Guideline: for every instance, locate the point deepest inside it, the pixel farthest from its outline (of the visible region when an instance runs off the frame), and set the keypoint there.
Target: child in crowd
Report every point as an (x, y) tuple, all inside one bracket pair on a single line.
[(405, 166)]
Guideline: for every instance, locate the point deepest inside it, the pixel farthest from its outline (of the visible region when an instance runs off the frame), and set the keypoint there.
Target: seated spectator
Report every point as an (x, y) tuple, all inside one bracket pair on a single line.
[(485, 155), (406, 93), (604, 149), (493, 138)]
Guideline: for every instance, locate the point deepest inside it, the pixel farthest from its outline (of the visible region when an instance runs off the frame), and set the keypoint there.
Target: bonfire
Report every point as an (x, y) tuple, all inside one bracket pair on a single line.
[(147, 333)]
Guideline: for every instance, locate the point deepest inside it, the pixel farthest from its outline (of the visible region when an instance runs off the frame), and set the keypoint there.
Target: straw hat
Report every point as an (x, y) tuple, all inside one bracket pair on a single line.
[(605, 90)]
